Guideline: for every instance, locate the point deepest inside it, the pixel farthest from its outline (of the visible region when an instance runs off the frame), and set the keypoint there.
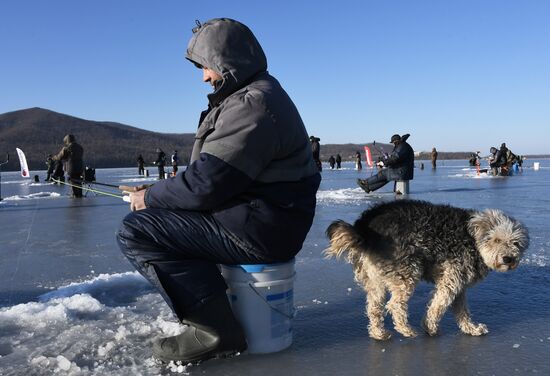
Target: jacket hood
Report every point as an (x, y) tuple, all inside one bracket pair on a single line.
[(68, 139), (229, 48)]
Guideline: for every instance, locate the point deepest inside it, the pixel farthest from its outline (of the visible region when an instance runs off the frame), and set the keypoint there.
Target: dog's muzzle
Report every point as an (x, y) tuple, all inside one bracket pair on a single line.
[(508, 263)]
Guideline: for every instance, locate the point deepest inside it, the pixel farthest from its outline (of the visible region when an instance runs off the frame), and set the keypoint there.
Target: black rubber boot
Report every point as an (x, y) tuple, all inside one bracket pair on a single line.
[(363, 184), (213, 332)]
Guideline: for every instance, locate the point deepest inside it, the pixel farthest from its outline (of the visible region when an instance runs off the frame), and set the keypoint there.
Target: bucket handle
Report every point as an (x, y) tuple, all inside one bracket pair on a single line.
[(292, 314), (264, 283)]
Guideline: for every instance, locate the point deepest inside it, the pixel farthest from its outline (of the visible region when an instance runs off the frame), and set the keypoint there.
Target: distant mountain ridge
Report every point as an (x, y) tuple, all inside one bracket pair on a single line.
[(39, 132)]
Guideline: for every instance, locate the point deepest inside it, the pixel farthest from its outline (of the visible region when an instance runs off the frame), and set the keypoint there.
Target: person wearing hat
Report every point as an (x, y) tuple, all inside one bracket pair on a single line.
[(398, 166), (434, 157), (50, 163), (500, 162), (71, 154), (141, 165), (316, 151), (175, 161), (160, 162), (248, 195)]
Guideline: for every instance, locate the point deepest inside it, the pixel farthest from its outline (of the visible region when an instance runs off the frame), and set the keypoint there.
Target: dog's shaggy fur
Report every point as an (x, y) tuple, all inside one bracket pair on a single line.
[(394, 245)]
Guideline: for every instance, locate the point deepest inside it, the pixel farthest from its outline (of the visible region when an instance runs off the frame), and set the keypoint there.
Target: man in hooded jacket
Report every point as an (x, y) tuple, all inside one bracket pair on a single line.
[(399, 166), (247, 196), (72, 154)]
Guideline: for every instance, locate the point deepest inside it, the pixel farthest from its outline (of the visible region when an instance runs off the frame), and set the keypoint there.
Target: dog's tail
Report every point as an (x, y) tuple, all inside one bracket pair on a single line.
[(344, 239)]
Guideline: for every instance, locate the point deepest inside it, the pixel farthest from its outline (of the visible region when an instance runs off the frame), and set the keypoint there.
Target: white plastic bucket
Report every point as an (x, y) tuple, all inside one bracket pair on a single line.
[(536, 166), (262, 299), (402, 186)]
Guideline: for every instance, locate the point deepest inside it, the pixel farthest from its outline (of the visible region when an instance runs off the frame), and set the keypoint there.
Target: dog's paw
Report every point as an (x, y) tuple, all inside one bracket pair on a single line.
[(407, 332), (476, 329), (430, 328), (379, 334)]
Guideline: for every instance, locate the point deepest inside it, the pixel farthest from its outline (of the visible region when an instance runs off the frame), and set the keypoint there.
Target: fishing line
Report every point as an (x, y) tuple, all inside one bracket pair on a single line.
[(125, 198), (96, 182)]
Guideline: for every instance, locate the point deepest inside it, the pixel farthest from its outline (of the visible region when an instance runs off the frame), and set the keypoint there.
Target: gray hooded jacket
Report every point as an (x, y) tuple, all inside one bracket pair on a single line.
[(251, 164)]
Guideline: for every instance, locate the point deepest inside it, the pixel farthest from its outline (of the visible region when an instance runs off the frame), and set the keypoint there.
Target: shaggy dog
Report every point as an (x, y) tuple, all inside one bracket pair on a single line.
[(394, 245)]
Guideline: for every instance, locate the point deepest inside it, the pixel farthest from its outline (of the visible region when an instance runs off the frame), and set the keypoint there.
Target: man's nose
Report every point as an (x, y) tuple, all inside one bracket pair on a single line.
[(205, 75)]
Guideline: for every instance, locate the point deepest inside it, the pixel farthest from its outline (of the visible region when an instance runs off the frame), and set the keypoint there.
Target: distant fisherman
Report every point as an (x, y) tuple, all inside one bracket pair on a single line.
[(398, 166), (141, 163), (338, 161), (316, 151), (358, 164), (72, 154), (434, 158), (175, 161), (50, 164), (160, 162)]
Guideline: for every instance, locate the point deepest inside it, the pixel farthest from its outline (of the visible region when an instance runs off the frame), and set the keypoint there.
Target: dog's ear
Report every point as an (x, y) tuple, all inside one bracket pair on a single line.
[(481, 223), (343, 238)]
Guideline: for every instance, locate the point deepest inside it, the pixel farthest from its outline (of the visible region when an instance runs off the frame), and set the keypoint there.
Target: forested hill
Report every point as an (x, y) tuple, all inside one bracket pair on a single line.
[(39, 132)]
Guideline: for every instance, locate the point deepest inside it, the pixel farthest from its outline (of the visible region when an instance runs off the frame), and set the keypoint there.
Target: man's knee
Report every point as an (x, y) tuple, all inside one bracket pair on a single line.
[(129, 231)]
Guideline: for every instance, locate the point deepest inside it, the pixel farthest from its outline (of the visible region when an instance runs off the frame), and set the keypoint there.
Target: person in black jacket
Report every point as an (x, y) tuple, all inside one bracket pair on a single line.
[(331, 162), (72, 154), (161, 162), (434, 158), (501, 160), (247, 196), (358, 164), (338, 161), (316, 151), (50, 163), (58, 173), (398, 166), (141, 163), (175, 161)]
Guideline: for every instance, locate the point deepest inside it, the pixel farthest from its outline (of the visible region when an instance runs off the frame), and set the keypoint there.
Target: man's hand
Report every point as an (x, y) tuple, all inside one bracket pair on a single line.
[(137, 195)]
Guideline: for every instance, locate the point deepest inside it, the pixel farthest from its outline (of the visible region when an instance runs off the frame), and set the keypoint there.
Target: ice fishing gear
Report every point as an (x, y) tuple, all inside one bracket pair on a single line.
[(126, 198), (384, 154), (95, 182), (1, 164)]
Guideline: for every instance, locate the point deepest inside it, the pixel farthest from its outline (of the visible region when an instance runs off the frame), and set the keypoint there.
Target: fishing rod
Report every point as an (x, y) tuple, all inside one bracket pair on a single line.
[(95, 182), (380, 150), (1, 164), (123, 197)]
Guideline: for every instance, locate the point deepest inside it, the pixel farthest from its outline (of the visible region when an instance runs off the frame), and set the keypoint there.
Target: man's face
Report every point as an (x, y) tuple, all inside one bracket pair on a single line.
[(208, 75)]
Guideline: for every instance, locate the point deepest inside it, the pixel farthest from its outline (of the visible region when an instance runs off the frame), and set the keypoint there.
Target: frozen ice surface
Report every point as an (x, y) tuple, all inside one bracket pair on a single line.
[(70, 304)]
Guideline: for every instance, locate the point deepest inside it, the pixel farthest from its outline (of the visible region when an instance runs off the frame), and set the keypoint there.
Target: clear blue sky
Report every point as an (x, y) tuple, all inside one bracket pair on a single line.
[(458, 75)]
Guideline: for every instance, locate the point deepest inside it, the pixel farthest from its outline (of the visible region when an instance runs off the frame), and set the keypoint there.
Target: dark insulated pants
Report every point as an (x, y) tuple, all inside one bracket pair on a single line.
[(75, 180), (161, 172), (178, 252), (379, 180)]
